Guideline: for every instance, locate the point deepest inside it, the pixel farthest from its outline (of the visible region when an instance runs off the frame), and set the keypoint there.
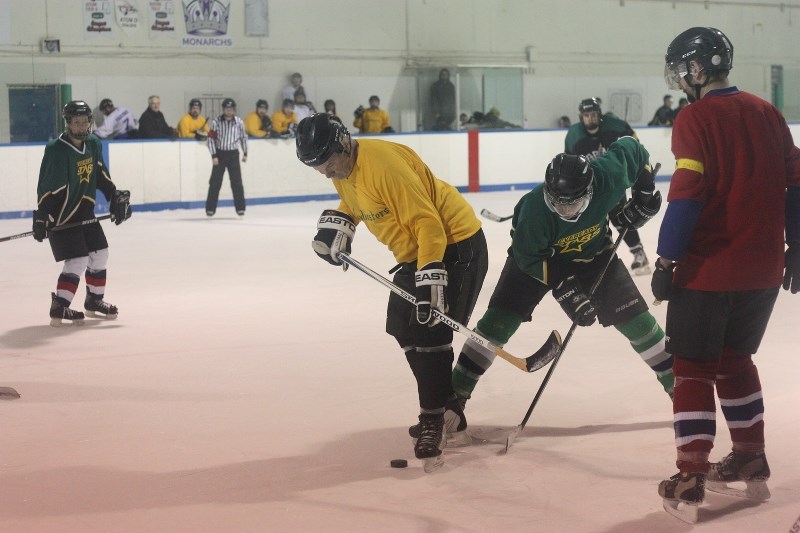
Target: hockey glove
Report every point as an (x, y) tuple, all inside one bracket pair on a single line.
[(120, 206), (431, 281), (661, 284), (791, 276), (40, 224), (335, 231), (574, 301), (638, 210), (359, 111)]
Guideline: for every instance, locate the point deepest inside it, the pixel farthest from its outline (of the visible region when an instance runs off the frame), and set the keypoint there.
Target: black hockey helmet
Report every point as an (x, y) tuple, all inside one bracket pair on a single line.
[(77, 108), (568, 185), (195, 102), (589, 104), (104, 103), (708, 46), (228, 102), (319, 137), (262, 103)]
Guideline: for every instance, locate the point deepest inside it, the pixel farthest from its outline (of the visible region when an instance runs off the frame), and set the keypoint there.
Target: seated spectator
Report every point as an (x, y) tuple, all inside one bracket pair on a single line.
[(372, 120), (118, 122), (663, 115), (295, 82), (152, 124), (258, 123), (193, 124), (564, 122), (284, 121), (302, 108), (330, 108), (492, 121), (683, 102)]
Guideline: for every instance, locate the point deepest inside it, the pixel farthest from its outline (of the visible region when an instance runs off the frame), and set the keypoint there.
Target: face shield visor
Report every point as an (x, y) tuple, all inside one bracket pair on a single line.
[(673, 72), (568, 209)]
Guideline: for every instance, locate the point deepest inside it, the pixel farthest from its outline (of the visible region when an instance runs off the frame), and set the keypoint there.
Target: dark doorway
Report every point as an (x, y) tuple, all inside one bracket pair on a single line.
[(34, 112)]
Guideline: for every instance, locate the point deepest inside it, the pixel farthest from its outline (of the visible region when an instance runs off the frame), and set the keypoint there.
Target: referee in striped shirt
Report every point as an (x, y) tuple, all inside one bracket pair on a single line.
[(224, 137)]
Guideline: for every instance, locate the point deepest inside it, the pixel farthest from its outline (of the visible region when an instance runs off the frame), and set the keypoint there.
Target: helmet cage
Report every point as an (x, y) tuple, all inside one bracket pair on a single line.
[(568, 186), (77, 108)]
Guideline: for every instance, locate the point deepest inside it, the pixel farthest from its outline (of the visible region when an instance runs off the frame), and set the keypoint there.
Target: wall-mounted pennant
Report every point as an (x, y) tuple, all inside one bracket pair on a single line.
[(207, 23), (162, 18), (98, 18), (127, 13)]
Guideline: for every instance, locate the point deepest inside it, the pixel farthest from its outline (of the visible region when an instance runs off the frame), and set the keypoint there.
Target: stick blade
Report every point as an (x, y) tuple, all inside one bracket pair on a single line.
[(544, 355), (512, 437), (8, 393)]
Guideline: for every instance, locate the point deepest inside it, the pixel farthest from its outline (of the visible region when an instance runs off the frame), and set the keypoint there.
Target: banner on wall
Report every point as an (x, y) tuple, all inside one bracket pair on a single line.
[(98, 18), (206, 23), (127, 12), (162, 17)]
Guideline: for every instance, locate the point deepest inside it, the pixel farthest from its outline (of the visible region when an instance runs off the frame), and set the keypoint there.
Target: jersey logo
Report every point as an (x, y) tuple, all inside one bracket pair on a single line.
[(373, 216), (575, 242), (85, 167)]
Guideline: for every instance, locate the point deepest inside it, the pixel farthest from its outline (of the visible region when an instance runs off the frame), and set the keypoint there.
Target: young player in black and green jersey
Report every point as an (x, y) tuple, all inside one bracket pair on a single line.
[(591, 137), (72, 170), (560, 242)]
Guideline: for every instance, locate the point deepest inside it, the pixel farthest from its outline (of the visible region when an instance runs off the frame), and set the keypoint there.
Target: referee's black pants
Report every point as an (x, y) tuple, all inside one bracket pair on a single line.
[(228, 159)]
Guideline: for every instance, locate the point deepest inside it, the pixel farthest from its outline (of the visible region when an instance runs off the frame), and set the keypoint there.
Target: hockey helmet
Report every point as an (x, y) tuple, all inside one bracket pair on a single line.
[(568, 185), (77, 108), (195, 102), (708, 46), (589, 104), (319, 137), (228, 102)]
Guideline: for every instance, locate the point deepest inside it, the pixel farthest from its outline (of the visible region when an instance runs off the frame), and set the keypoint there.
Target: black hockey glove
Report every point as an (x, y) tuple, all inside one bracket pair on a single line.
[(791, 276), (39, 226), (638, 210), (574, 301), (431, 281), (335, 231), (359, 111), (120, 206), (661, 284)]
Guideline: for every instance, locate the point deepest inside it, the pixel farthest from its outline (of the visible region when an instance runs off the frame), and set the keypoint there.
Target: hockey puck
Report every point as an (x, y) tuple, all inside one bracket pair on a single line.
[(398, 463)]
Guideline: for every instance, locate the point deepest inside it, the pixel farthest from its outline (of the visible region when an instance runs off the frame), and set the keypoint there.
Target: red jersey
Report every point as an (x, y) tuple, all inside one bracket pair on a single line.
[(735, 156)]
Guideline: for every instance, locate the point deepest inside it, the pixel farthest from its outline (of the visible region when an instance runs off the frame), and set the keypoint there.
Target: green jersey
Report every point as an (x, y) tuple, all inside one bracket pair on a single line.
[(541, 238), (581, 142), (69, 178)]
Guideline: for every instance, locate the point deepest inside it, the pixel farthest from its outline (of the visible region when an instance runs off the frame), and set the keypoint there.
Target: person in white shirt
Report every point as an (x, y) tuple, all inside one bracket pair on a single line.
[(119, 123)]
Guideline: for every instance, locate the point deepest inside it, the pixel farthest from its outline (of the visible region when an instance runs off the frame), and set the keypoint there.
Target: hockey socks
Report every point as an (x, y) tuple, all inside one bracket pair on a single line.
[(647, 338), (741, 401)]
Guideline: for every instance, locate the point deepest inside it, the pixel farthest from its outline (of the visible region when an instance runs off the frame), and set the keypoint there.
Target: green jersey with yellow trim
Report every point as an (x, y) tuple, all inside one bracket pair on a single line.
[(69, 178), (541, 238)]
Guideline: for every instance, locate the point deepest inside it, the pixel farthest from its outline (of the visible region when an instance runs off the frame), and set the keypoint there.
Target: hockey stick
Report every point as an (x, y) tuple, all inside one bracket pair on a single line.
[(517, 430), (497, 218), (57, 228), (532, 363)]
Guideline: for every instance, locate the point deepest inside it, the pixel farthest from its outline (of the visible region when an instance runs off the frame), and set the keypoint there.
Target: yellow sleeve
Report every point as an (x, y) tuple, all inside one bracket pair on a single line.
[(252, 125), (184, 126)]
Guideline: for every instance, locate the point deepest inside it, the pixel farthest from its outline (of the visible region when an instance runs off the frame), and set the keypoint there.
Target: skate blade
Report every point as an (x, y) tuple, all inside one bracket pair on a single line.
[(95, 314), (56, 322), (512, 437), (642, 271), (682, 510), (459, 439), (431, 464), (754, 490)]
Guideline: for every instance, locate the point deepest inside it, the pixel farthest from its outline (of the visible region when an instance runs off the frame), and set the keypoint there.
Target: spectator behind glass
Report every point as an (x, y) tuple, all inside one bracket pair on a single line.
[(152, 124), (443, 101), (372, 120), (330, 108), (295, 82), (284, 121), (302, 108), (118, 123), (193, 124), (258, 123), (664, 114), (564, 122), (683, 102)]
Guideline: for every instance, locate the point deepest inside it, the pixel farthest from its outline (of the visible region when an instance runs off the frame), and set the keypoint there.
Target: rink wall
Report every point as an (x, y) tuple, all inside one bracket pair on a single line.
[(174, 174)]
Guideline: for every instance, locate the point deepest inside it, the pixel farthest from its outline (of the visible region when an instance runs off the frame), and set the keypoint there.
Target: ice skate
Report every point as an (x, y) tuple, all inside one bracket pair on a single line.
[(640, 265), (95, 304), (683, 493), (747, 470), (429, 445), (59, 310), (455, 425)]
